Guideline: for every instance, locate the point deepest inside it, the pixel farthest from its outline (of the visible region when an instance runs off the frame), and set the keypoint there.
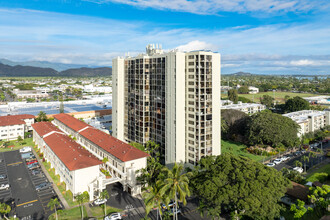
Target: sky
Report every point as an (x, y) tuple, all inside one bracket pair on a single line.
[(257, 36)]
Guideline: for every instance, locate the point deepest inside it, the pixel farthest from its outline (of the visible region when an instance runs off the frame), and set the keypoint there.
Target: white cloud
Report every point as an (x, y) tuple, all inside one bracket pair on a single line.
[(196, 45), (216, 6)]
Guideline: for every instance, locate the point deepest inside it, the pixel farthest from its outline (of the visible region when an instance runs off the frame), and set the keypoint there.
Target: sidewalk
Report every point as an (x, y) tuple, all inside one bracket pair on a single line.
[(60, 196)]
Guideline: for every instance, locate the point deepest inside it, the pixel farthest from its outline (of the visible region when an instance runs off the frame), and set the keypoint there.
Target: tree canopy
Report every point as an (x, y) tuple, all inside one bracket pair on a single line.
[(267, 100), (243, 90), (296, 104), (272, 129), (41, 116), (234, 122), (232, 95), (228, 183)]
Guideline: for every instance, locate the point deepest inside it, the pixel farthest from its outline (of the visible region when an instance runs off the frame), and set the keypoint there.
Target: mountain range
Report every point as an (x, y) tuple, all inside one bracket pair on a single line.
[(13, 69)]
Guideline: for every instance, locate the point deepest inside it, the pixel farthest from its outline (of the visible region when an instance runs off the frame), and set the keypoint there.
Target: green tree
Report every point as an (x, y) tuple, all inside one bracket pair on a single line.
[(298, 209), (149, 175), (312, 155), (235, 123), (176, 184), (4, 208), (297, 163), (238, 184), (81, 199), (244, 100), (19, 139), (267, 100), (41, 117), (272, 129), (53, 204), (243, 90), (296, 104), (104, 195), (137, 145), (232, 95), (320, 197), (154, 199), (61, 108), (305, 159)]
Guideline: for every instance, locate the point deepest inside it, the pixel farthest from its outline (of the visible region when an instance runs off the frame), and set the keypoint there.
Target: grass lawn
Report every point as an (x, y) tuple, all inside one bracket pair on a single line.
[(71, 214), (18, 145), (316, 175), (98, 211), (279, 96), (238, 150)]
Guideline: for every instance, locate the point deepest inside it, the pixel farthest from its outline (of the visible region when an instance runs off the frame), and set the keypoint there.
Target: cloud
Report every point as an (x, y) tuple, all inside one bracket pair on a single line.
[(216, 6), (56, 37), (195, 45)]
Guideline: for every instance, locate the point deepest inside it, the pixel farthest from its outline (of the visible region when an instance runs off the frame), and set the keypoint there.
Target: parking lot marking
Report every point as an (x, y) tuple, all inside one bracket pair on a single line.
[(27, 202), (13, 163)]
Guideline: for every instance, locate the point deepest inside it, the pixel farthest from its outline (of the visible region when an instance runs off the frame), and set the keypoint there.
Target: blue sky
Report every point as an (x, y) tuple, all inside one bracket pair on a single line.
[(258, 36)]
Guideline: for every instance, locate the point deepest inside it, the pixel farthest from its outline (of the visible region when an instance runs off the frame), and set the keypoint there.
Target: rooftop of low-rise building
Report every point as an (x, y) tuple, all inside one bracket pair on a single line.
[(14, 119), (114, 146), (302, 116), (72, 155)]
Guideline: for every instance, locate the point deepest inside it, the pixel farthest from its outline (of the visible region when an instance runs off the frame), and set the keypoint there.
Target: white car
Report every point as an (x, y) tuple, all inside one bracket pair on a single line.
[(113, 216), (100, 201), (298, 169), (270, 164), (4, 186), (277, 161), (25, 149)]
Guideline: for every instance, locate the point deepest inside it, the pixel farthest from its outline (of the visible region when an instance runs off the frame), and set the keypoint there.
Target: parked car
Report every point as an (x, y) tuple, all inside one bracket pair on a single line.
[(270, 164), (33, 166), (298, 169), (297, 153), (31, 162), (30, 158), (4, 186), (35, 172), (113, 216), (3, 176), (43, 186), (27, 155), (100, 201), (284, 158), (171, 204), (25, 149), (277, 161)]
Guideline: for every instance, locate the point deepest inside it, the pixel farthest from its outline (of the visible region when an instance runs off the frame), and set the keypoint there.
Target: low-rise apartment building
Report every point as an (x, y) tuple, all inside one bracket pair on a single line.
[(33, 94), (309, 120), (13, 126), (77, 167), (123, 160), (248, 108)]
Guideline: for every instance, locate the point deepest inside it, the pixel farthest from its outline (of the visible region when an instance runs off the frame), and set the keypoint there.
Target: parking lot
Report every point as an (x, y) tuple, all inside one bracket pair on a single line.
[(26, 201)]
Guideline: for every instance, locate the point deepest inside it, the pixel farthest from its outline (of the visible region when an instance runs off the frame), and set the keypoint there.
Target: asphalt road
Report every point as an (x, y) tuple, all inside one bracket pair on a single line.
[(23, 191), (312, 161)]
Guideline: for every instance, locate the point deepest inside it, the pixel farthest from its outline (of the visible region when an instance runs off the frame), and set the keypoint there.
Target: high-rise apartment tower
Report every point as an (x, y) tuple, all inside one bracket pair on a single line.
[(171, 98)]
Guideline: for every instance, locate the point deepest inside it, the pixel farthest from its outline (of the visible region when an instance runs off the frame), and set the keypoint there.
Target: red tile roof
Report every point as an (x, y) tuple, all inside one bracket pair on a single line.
[(14, 119), (298, 191), (43, 128), (117, 148), (71, 122)]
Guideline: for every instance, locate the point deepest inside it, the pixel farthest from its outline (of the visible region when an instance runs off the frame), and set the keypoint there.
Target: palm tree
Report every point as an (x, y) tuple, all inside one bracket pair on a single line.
[(4, 209), (153, 198), (297, 163), (176, 184), (312, 155), (104, 195), (81, 199), (53, 203), (305, 159)]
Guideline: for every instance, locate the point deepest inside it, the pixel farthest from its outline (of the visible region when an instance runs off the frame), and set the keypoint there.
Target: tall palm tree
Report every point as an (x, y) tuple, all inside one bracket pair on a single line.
[(176, 184), (104, 195), (53, 203), (81, 199), (305, 159), (154, 199), (312, 155)]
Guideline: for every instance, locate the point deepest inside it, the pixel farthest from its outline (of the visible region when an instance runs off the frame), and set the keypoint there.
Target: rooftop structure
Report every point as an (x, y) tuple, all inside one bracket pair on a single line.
[(14, 126), (322, 100), (309, 120), (248, 108)]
